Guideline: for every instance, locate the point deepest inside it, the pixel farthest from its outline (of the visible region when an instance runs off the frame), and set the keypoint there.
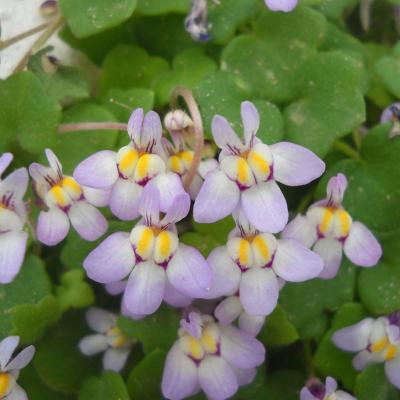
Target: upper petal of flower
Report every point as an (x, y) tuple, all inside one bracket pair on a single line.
[(100, 320), (135, 124), (250, 120), (7, 347), (335, 190), (21, 360), (149, 207), (5, 161), (13, 187), (169, 185), (54, 162), (281, 5), (225, 137), (301, 229), (177, 210)]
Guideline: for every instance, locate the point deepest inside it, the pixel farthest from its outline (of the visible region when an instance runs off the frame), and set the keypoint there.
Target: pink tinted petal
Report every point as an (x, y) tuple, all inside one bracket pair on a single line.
[(217, 378), (259, 291), (251, 324), (93, 344), (7, 347), (14, 185), (361, 246), (330, 251), (149, 206), (135, 125), (87, 220), (115, 359), (151, 130), (52, 226), (175, 298), (21, 360), (100, 320), (98, 170), (192, 324), (241, 349), (12, 253), (330, 386), (5, 161), (250, 120), (145, 288), (265, 207), (124, 200), (281, 5), (54, 162), (218, 197), (180, 375), (392, 371), (225, 273), (225, 137), (97, 197), (178, 209), (112, 260), (354, 337), (335, 189), (228, 310), (295, 165), (189, 272), (115, 288), (244, 376), (305, 394), (363, 359), (300, 228), (169, 185), (296, 263), (207, 166)]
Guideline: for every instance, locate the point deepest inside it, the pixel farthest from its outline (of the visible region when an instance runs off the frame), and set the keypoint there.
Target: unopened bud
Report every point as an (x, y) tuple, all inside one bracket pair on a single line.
[(177, 120), (48, 8)]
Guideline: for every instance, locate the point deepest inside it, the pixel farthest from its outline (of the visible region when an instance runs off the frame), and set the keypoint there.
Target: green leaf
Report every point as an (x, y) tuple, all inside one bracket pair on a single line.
[(27, 114), (335, 8), (110, 386), (74, 291), (130, 66), (204, 243), (147, 331), (220, 230), (58, 360), (144, 381), (87, 17), (156, 7), (372, 384), (73, 147), (59, 82), (278, 330), (27, 301), (387, 69), (284, 385)]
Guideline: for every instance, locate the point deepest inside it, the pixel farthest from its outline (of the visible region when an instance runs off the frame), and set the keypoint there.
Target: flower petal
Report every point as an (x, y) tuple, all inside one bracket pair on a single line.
[(225, 273), (98, 170), (175, 298), (93, 344), (392, 371), (225, 137), (294, 262), (12, 253), (7, 347), (124, 200), (301, 229), (151, 131), (97, 197), (112, 260), (330, 251), (100, 320), (87, 220), (295, 165), (340, 395), (145, 289), (228, 310), (259, 291), (251, 324), (178, 209), (52, 226), (17, 393), (354, 337), (363, 359), (361, 246), (115, 288), (115, 359), (218, 197), (135, 124), (169, 185), (180, 375), (21, 360), (281, 5), (5, 161), (14, 185), (149, 206), (305, 394), (250, 120), (244, 376), (217, 378), (265, 207), (54, 162), (241, 349), (189, 272)]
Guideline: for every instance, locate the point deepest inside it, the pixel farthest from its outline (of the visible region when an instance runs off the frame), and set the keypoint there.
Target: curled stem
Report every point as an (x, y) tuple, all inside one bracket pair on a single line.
[(91, 126), (194, 111)]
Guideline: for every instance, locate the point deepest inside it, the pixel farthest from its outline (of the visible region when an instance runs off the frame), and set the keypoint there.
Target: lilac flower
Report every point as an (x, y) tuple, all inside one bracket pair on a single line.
[(67, 202), (12, 220), (231, 309), (281, 5), (10, 368), (210, 357), (132, 167), (253, 263), (316, 390), (108, 339), (392, 114), (329, 230), (196, 22), (157, 264), (247, 173), (375, 341)]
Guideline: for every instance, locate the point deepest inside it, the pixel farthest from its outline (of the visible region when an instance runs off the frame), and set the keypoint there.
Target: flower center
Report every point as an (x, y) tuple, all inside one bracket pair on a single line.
[(116, 338), (64, 193), (7, 383), (180, 162), (384, 346)]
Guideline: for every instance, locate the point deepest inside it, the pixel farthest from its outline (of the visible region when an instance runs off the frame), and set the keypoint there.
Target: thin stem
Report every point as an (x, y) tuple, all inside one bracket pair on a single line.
[(91, 126), (38, 43), (346, 149), (194, 111), (8, 42)]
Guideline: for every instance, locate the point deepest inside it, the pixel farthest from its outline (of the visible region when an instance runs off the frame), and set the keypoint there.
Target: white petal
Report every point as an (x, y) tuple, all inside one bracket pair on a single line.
[(354, 337), (7, 347), (12, 253), (124, 200), (115, 359), (17, 394), (228, 310), (300, 228), (251, 324), (100, 320), (52, 226), (363, 359), (330, 251), (97, 197), (93, 344)]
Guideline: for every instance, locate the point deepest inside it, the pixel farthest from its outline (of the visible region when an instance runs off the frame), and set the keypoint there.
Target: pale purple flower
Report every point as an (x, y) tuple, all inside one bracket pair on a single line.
[(10, 368), (196, 22), (375, 341), (253, 263), (157, 264), (67, 203), (248, 172), (316, 390), (210, 357), (392, 114), (231, 309), (128, 171), (12, 220), (281, 5), (329, 230), (108, 339)]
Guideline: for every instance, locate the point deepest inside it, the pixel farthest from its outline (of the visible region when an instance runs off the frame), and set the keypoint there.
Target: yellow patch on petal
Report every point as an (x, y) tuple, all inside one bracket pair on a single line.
[(4, 384), (390, 352), (58, 195), (163, 246), (175, 165), (243, 170), (118, 339), (262, 248), (194, 347), (71, 186), (128, 161), (187, 158), (145, 242), (379, 345), (326, 220), (345, 221), (209, 341), (142, 166), (244, 252), (258, 163)]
